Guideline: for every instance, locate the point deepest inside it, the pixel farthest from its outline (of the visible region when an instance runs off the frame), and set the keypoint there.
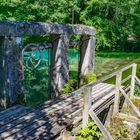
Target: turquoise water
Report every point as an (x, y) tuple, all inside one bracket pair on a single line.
[(36, 80)]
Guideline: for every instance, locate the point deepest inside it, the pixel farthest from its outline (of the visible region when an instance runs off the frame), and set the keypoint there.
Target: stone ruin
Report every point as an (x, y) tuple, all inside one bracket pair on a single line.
[(11, 64)]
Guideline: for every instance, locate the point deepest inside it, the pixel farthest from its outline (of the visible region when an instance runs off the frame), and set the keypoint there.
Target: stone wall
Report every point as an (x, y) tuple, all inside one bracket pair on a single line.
[(11, 66)]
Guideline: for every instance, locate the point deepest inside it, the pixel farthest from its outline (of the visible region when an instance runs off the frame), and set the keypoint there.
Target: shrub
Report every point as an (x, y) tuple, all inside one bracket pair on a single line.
[(124, 132), (90, 132), (69, 87), (89, 77)]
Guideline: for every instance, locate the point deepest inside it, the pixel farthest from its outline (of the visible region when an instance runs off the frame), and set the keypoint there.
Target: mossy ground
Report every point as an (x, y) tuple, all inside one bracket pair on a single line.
[(117, 129)]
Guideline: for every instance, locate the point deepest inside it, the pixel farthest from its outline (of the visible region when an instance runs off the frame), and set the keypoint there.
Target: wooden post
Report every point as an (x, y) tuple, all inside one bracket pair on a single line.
[(135, 109), (104, 131), (87, 105), (132, 87), (117, 92)]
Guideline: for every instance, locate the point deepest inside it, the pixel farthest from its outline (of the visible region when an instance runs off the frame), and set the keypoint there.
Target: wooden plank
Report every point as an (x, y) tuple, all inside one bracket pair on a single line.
[(98, 106), (24, 132), (32, 116), (19, 115), (52, 130), (27, 111), (63, 110), (101, 90), (44, 133), (10, 111), (98, 87), (104, 131), (126, 79), (105, 105), (16, 116), (55, 107), (104, 92), (130, 102), (25, 127), (129, 118), (18, 125), (102, 100), (137, 79)]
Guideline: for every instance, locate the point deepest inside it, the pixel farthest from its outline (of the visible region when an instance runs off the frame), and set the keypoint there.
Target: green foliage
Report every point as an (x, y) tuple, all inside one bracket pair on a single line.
[(41, 10), (124, 132), (137, 91), (36, 86), (118, 129), (91, 132), (89, 77), (136, 25), (69, 87), (114, 20)]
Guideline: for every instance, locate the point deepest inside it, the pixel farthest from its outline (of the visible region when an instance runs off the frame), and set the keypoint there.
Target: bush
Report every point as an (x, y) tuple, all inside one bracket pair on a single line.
[(91, 132), (89, 77), (69, 87)]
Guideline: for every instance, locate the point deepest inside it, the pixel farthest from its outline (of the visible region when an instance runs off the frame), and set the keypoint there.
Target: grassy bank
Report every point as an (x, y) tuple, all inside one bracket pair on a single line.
[(118, 55)]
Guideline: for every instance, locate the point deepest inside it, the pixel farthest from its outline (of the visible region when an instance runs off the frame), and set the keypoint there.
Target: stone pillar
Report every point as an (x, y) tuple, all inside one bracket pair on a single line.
[(59, 71), (11, 70), (87, 54)]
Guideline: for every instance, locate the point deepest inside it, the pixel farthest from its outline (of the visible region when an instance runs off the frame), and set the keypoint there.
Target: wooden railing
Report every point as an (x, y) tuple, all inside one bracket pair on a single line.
[(119, 89)]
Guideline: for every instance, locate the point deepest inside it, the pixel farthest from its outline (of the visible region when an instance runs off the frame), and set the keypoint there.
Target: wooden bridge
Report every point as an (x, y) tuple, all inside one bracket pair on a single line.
[(50, 119)]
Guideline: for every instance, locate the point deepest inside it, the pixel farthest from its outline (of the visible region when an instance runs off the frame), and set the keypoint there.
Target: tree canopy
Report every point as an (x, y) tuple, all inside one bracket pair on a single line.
[(117, 22)]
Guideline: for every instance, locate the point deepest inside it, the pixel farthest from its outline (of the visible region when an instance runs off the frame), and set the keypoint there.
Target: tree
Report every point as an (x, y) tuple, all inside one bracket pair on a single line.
[(40, 10), (112, 19)]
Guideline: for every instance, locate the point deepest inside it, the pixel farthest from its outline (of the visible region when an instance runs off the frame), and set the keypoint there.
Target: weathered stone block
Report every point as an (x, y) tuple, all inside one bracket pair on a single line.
[(11, 71), (59, 63), (87, 54)]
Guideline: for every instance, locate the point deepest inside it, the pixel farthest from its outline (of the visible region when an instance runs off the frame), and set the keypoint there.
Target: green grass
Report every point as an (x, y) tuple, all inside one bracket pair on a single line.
[(105, 63), (118, 54)]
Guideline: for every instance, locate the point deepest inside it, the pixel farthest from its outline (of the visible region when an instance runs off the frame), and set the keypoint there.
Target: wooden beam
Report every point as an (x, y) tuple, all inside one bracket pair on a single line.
[(126, 79), (137, 79), (130, 102), (104, 131), (129, 118)]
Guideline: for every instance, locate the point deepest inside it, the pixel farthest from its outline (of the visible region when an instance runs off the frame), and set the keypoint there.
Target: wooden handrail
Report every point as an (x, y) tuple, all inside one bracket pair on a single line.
[(104, 79), (88, 107), (126, 79), (137, 79)]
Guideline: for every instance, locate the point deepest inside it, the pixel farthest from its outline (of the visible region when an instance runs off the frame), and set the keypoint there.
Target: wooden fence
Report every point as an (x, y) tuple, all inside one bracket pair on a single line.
[(120, 90)]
